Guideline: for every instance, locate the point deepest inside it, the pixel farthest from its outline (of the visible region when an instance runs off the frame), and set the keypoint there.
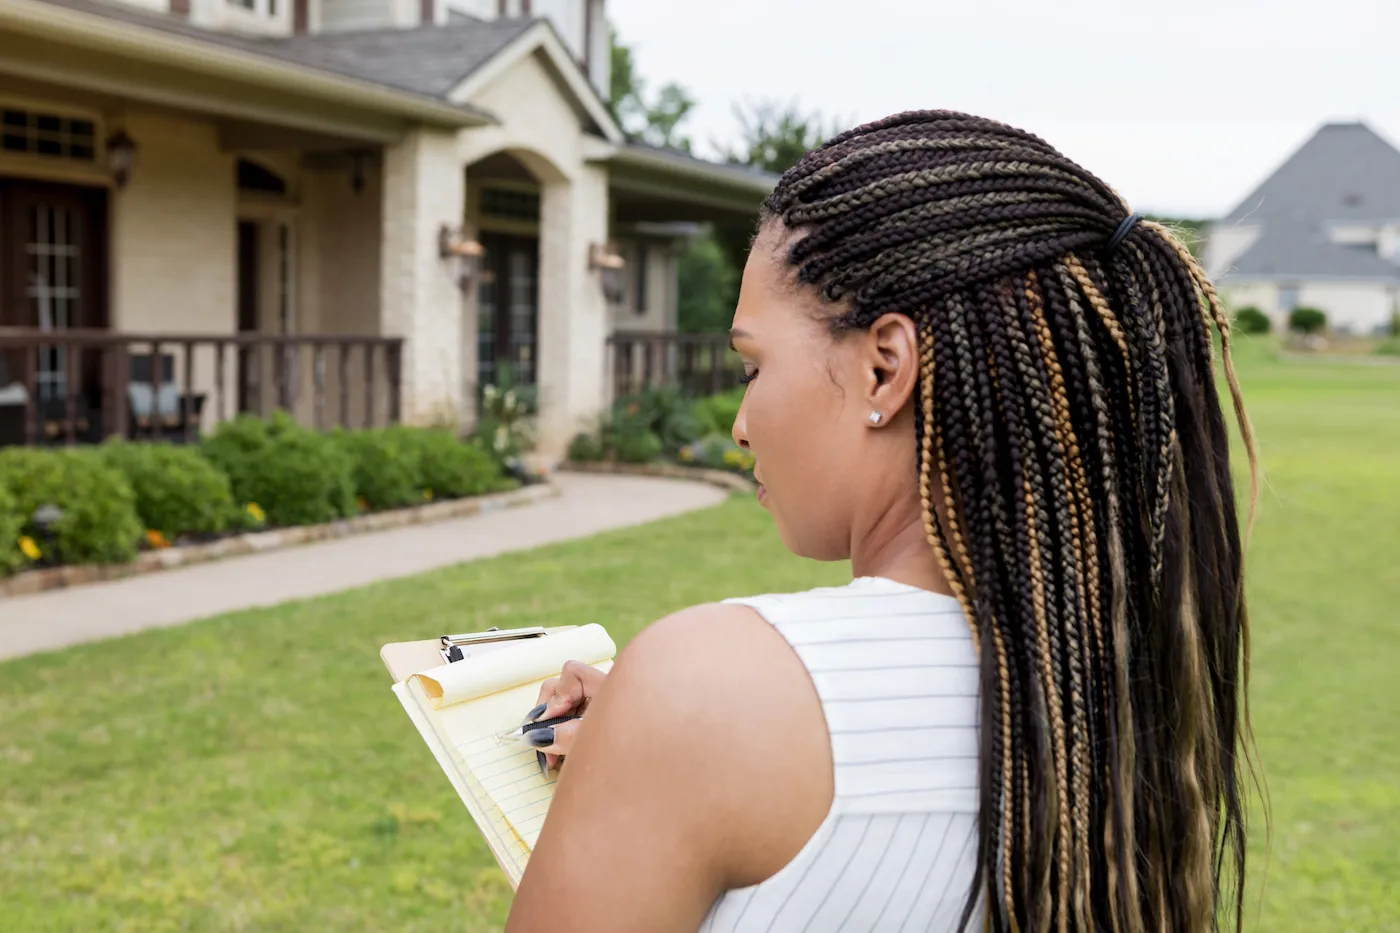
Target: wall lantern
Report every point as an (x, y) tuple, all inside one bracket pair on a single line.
[(359, 161), (609, 263), (121, 156), (465, 252)]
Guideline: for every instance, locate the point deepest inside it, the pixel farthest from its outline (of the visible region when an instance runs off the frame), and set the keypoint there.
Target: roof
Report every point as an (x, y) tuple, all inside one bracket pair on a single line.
[(427, 60), (1346, 171), (676, 160)]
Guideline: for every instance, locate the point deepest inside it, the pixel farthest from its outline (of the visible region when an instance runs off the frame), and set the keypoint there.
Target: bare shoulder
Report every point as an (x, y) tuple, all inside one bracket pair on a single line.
[(726, 698)]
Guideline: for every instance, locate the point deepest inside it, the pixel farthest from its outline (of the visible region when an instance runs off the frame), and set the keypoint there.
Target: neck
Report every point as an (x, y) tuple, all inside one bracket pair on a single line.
[(894, 545)]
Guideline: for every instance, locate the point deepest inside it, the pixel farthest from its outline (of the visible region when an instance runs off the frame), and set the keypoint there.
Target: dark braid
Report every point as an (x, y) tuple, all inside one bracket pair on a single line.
[(1068, 420)]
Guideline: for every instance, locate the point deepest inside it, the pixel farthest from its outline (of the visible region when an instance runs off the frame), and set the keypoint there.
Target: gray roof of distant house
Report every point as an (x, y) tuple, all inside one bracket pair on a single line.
[(1346, 173)]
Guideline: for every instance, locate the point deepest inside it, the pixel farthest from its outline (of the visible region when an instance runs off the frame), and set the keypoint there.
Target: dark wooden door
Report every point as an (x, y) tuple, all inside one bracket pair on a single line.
[(249, 286), (508, 309), (53, 276)]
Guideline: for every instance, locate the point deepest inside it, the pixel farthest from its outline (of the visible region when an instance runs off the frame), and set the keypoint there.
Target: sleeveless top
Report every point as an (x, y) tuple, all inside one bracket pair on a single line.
[(896, 671)]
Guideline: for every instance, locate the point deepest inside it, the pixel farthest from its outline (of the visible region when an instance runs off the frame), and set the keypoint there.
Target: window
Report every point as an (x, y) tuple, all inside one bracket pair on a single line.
[(47, 134), (253, 177), (510, 204), (266, 8), (1287, 298), (639, 289)]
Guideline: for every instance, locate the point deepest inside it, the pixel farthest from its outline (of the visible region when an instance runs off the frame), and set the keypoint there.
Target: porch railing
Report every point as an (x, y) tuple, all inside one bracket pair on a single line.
[(697, 364), (82, 386)]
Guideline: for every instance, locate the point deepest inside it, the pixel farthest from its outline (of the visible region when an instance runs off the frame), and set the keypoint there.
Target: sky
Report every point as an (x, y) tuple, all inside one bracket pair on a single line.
[(1182, 107)]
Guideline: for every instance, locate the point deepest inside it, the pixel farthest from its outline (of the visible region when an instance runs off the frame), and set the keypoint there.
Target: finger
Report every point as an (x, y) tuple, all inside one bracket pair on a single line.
[(575, 685), (546, 691), (554, 740)]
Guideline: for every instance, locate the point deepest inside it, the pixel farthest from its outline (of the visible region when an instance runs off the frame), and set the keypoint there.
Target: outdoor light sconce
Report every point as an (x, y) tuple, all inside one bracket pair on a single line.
[(609, 264), (358, 160), (121, 156), (465, 252)]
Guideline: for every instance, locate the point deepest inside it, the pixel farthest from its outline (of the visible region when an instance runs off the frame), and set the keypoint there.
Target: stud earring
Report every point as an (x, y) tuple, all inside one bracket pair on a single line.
[(876, 417)]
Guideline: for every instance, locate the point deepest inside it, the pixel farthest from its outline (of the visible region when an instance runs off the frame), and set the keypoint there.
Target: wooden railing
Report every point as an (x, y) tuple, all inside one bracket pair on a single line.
[(697, 364), (82, 386)]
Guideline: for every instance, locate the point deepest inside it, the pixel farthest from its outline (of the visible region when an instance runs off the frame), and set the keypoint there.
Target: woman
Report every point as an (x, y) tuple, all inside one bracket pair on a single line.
[(975, 374)]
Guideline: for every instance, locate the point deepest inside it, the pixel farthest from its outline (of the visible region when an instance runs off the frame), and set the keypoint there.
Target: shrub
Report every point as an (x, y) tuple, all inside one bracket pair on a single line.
[(296, 476), (505, 426), (98, 521), (638, 447), (1389, 347), (1250, 320), (670, 416), (384, 467), (449, 467), (10, 524), (1305, 320), (716, 414), (177, 490), (586, 446)]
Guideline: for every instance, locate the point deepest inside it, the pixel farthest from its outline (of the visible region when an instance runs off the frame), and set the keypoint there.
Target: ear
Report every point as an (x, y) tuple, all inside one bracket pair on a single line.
[(891, 365)]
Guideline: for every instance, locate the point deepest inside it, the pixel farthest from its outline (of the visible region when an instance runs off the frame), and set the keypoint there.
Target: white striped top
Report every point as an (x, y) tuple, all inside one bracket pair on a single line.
[(896, 671)]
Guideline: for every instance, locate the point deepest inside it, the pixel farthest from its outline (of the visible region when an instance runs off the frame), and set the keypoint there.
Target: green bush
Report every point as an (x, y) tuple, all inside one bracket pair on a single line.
[(178, 491), (586, 446), (1305, 320), (1250, 320), (1389, 347), (505, 424), (716, 414), (98, 521), (384, 466), (10, 524), (669, 415), (297, 476), (638, 447), (450, 468)]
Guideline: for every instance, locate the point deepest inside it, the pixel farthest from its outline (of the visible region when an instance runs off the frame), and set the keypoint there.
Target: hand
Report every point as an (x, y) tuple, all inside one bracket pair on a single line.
[(567, 694)]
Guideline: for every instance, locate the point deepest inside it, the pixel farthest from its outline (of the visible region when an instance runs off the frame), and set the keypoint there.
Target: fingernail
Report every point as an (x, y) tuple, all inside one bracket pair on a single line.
[(540, 738), (536, 713), (544, 763)]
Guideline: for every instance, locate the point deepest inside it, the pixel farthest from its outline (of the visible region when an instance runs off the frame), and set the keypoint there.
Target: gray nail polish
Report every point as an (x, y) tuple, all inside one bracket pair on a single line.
[(544, 763), (536, 713), (540, 738)]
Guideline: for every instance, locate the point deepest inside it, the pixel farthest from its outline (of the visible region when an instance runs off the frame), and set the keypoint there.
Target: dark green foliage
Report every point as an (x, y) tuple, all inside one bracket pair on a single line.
[(448, 467), (297, 476), (384, 465), (1250, 320), (99, 523), (177, 490), (1305, 320)]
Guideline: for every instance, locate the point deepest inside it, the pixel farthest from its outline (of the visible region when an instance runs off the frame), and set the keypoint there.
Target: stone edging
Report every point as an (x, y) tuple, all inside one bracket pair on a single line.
[(52, 578), (721, 478)]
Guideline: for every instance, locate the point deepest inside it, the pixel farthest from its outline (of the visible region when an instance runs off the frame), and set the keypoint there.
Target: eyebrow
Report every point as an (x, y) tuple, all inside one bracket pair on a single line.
[(738, 333)]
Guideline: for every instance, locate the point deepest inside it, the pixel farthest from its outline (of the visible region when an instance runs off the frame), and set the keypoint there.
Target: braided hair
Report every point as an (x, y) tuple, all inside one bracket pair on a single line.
[(1067, 413)]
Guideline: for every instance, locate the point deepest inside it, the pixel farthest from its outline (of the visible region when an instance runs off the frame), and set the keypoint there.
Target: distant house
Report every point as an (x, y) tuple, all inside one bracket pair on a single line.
[(1322, 231), (357, 210)]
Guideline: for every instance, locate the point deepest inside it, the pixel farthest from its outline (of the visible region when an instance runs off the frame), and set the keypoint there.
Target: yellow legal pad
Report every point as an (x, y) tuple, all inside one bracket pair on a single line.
[(461, 708)]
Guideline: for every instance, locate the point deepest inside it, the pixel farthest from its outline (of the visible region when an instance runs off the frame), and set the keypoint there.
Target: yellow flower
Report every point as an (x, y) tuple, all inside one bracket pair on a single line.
[(361, 502), (155, 539), (28, 548), (687, 454), (733, 457), (428, 495), (256, 513)]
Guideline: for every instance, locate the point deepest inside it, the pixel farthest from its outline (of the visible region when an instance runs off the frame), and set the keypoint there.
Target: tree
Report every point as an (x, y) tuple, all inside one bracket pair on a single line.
[(656, 120), (708, 284), (773, 136)]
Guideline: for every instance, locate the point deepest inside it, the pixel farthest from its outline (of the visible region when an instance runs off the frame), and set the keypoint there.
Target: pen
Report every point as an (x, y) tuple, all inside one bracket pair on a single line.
[(521, 734)]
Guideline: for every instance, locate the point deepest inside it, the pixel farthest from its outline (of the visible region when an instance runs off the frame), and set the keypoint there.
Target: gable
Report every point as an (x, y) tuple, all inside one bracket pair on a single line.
[(1346, 171)]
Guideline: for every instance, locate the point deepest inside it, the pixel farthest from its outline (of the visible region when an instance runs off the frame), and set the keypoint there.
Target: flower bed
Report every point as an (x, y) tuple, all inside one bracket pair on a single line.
[(104, 505)]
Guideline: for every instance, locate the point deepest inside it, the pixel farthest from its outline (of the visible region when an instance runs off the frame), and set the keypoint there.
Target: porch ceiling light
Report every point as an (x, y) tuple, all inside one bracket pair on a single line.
[(458, 248), (609, 263), (121, 156)]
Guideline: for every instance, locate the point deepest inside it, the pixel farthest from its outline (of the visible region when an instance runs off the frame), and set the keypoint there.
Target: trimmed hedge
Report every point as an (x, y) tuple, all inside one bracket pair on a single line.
[(99, 522), (178, 491), (295, 475), (246, 474)]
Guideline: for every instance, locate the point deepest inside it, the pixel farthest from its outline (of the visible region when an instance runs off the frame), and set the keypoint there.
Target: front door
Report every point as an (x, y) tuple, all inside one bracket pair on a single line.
[(249, 286), (53, 259), (508, 309)]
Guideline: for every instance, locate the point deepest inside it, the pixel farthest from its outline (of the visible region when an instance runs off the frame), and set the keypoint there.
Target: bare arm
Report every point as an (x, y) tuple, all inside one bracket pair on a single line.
[(668, 797)]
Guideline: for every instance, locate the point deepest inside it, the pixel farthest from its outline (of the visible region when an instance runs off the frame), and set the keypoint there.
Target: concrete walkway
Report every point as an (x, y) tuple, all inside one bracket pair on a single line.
[(589, 504)]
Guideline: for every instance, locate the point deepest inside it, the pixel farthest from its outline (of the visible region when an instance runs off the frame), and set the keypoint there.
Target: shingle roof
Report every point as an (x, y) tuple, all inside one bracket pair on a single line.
[(429, 61), (1345, 173)]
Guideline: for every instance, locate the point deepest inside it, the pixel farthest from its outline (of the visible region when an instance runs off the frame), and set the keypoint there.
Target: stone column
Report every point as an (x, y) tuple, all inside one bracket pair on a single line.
[(424, 188), (573, 317)]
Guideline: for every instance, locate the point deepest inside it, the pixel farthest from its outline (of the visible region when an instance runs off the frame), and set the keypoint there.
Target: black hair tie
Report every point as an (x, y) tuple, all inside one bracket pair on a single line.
[(1121, 234)]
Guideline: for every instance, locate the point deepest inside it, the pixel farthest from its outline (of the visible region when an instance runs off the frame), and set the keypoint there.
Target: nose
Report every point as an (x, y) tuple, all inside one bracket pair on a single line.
[(741, 424)]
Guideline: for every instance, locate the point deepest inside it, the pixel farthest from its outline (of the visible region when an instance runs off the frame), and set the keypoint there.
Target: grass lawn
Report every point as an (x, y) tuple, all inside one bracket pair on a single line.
[(253, 772)]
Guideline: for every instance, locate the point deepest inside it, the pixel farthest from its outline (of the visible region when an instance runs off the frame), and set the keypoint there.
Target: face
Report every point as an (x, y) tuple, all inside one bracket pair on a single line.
[(806, 415)]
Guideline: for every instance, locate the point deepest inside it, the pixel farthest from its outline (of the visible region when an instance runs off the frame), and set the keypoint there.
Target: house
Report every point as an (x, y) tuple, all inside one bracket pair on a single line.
[(354, 209), (1322, 231)]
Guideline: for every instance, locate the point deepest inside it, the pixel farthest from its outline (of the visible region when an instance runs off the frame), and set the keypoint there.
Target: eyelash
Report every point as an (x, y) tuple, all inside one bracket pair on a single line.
[(748, 377)]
